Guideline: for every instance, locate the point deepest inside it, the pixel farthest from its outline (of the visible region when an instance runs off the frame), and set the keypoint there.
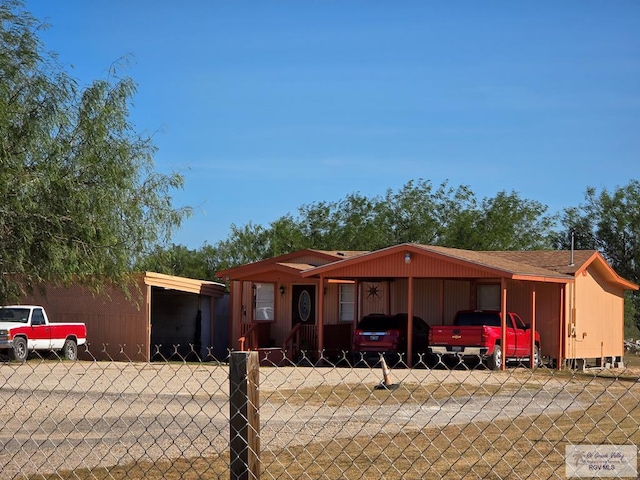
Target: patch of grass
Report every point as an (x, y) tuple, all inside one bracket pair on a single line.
[(356, 395), (631, 360)]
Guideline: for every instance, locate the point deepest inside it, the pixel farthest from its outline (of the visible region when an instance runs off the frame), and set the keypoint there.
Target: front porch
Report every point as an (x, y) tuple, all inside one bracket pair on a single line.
[(300, 344)]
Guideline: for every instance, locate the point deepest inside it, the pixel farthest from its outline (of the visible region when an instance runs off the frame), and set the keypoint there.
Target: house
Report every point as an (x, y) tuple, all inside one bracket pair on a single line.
[(163, 317), (311, 299)]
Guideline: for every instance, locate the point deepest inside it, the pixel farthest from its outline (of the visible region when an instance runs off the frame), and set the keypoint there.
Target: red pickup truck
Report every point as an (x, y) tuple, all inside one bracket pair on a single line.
[(24, 328), (477, 334)]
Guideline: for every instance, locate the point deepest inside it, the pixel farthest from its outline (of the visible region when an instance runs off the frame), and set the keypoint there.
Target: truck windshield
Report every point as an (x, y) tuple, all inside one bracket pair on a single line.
[(20, 315)]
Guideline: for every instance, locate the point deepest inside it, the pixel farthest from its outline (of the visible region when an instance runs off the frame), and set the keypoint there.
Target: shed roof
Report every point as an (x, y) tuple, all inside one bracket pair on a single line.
[(183, 284)]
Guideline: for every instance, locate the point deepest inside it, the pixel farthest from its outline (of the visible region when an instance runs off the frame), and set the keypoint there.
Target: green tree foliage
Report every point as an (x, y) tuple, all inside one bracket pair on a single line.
[(420, 213), (507, 222), (417, 212), (179, 260), (414, 214), (609, 221), (245, 245), (79, 198)]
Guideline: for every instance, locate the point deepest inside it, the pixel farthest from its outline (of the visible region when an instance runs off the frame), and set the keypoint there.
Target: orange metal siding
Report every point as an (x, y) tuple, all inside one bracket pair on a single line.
[(399, 299), (435, 300), (427, 300), (395, 266), (547, 317), (457, 296), (374, 297), (332, 304), (236, 313), (599, 318), (282, 326)]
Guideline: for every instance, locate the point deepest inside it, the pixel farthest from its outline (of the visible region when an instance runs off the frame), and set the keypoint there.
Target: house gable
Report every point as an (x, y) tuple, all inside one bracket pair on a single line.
[(284, 267)]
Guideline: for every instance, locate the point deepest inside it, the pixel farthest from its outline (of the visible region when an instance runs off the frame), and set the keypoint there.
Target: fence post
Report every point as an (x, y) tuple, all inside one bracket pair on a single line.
[(244, 416)]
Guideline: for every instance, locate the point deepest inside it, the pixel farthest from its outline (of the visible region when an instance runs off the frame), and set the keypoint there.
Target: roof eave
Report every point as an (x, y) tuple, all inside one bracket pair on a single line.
[(183, 284), (617, 279), (543, 279)]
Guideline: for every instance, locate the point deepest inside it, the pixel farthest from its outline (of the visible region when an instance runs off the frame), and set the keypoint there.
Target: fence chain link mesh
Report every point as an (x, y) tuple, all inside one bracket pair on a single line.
[(318, 419)]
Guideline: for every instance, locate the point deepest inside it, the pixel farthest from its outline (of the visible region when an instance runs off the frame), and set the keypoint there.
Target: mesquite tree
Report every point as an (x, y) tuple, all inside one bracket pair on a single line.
[(79, 197)]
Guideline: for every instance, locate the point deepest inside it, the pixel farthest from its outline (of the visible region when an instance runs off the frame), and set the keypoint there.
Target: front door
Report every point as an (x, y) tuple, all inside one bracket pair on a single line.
[(303, 306)]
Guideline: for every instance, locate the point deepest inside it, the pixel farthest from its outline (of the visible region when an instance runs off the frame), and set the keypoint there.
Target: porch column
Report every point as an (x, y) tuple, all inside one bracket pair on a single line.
[(321, 317), (356, 306), (213, 330), (410, 323), (236, 313), (503, 323), (149, 324), (561, 327), (441, 301), (533, 325)]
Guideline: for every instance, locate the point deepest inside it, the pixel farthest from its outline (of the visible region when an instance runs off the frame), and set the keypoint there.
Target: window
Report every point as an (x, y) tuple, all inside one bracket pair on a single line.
[(37, 318), (347, 302), (263, 298)]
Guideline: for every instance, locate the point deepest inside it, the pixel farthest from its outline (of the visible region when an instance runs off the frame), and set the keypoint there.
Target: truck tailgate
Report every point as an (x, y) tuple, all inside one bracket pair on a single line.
[(456, 336)]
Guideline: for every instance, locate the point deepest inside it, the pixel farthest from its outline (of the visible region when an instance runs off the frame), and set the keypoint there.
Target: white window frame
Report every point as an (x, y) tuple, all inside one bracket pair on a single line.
[(347, 302), (264, 295)]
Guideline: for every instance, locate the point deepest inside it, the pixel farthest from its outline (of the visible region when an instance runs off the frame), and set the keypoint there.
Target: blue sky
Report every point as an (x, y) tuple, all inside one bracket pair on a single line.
[(267, 106)]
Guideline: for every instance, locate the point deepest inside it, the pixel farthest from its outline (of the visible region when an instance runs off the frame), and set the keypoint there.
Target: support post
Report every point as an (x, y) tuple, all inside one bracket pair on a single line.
[(532, 340), (410, 323), (503, 324), (244, 416), (320, 338), (561, 328)]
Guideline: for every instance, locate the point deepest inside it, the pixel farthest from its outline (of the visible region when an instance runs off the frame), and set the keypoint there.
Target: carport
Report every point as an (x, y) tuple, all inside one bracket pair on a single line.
[(162, 317), (182, 317), (533, 290)]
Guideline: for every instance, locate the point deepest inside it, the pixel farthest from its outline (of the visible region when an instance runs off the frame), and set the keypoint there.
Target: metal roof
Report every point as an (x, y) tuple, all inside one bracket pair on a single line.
[(183, 284), (558, 266)]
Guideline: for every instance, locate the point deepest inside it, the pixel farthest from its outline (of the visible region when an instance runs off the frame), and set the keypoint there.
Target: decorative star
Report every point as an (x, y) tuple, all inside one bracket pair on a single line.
[(373, 291)]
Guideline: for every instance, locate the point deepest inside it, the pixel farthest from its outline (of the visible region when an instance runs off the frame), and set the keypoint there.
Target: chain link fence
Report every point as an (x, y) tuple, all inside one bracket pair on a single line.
[(327, 419)]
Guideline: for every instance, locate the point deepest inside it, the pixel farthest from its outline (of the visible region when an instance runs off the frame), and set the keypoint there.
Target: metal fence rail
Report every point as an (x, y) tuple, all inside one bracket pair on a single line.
[(124, 419)]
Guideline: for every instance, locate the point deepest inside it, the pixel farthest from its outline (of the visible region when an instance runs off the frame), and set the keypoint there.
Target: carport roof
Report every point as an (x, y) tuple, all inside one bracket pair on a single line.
[(535, 265), (183, 284)]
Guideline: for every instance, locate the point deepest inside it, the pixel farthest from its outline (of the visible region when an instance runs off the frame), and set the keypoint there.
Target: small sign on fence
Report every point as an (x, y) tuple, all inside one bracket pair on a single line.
[(605, 461)]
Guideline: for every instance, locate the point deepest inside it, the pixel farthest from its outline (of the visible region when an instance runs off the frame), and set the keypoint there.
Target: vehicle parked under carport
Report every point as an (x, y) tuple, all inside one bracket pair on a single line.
[(379, 334)]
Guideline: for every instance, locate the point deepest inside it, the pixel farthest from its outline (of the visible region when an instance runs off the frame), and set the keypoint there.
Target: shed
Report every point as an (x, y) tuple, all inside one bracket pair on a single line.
[(312, 299), (165, 317)]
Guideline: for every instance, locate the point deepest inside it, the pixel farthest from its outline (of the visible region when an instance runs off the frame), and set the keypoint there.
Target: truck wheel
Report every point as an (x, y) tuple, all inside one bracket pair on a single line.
[(70, 350), (536, 357), (20, 351), (495, 360)]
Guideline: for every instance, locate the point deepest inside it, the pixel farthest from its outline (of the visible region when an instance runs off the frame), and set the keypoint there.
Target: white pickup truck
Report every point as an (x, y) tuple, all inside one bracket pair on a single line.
[(25, 328)]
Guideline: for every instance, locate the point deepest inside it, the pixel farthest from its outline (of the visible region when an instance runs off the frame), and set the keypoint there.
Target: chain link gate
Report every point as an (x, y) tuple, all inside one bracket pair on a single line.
[(124, 419)]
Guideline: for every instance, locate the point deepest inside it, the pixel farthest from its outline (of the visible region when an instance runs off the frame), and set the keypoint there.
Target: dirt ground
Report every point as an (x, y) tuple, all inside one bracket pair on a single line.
[(62, 415)]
